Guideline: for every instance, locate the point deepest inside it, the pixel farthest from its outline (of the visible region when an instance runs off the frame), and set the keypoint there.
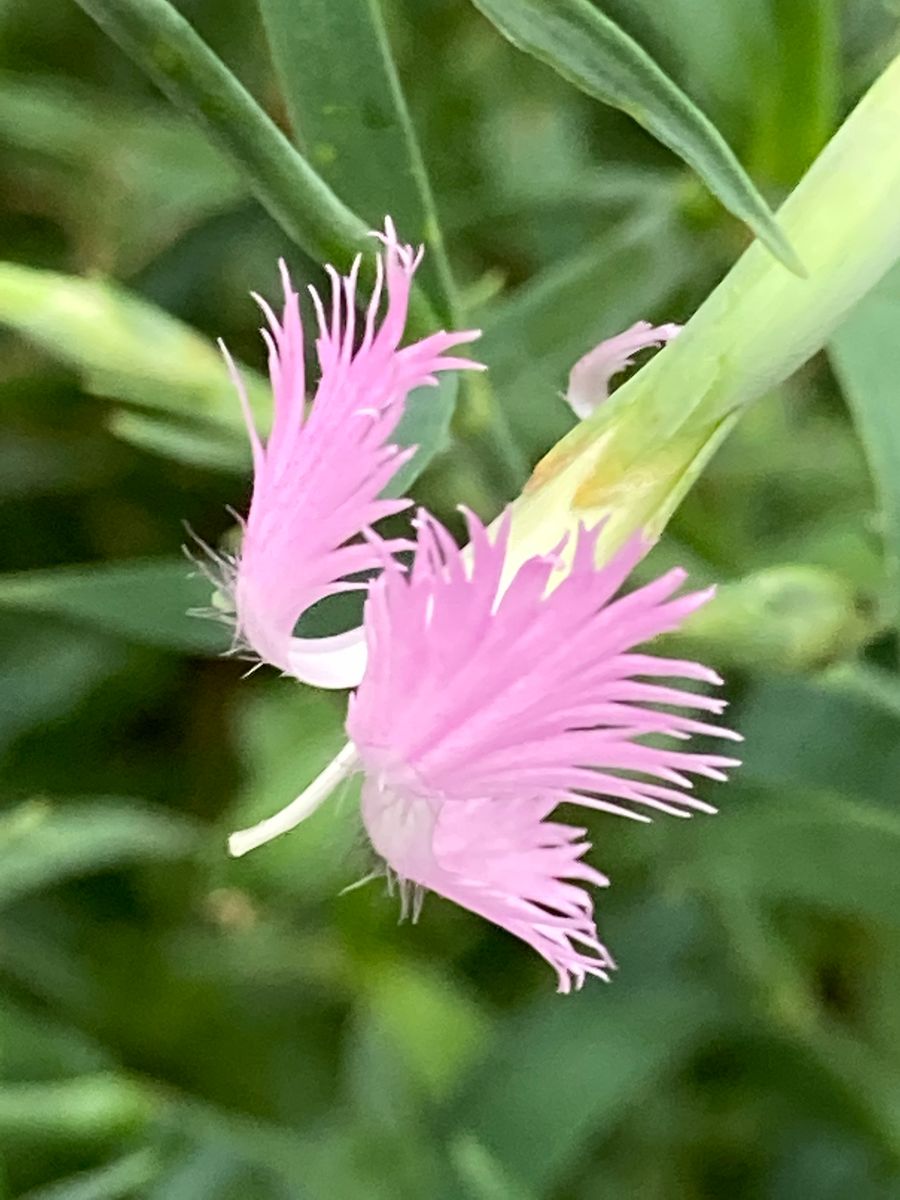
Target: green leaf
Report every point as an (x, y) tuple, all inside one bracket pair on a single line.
[(721, 70), (93, 1108), (42, 844), (594, 1054), (211, 447), (347, 106), (482, 1176), (409, 1003), (146, 601), (425, 424), (130, 179), (823, 850), (782, 720), (866, 356), (597, 56), (799, 100), (121, 1179), (125, 347), (34, 1046), (166, 46), (46, 672)]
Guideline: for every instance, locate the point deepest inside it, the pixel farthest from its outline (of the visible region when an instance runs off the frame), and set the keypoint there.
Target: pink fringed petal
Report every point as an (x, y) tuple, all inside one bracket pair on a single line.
[(318, 480), (506, 863), (481, 710)]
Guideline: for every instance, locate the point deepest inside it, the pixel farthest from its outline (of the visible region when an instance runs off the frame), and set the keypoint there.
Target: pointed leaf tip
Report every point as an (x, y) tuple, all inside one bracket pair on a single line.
[(589, 49)]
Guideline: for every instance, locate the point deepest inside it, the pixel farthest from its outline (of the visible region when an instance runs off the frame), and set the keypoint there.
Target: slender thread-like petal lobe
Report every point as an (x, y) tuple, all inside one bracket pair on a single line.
[(318, 480), (485, 706), (589, 378)]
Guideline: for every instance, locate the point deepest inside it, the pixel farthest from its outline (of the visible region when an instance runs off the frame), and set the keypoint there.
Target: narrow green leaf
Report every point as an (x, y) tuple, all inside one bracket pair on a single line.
[(166, 46), (45, 672), (145, 601), (594, 1055), (347, 105), (93, 1108), (721, 71), (36, 1046), (822, 850), (128, 179), (590, 50), (196, 444), (782, 720), (409, 1003), (425, 424), (128, 349), (125, 347), (865, 353), (799, 102), (481, 1175), (42, 844), (121, 1179)]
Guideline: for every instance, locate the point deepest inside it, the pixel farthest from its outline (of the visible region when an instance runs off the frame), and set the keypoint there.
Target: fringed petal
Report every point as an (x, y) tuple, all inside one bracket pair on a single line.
[(319, 479), (483, 708)]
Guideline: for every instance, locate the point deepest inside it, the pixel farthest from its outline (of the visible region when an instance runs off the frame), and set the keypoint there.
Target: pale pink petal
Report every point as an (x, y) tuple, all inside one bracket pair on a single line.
[(319, 479), (481, 710), (589, 378), (506, 863)]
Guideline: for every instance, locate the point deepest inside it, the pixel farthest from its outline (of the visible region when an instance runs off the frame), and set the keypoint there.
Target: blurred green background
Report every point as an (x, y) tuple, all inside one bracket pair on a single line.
[(178, 1026)]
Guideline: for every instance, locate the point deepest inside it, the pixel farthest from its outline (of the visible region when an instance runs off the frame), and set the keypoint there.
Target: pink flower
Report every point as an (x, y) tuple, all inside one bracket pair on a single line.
[(589, 378), (319, 479), (483, 708)]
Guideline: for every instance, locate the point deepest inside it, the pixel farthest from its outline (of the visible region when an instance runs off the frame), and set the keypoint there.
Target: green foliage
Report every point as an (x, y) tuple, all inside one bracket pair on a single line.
[(347, 108), (866, 359), (145, 601), (41, 846), (595, 54), (175, 1025)]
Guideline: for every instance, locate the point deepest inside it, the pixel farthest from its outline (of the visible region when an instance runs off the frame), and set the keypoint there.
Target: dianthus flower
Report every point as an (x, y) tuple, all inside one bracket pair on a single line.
[(484, 707), (318, 481)]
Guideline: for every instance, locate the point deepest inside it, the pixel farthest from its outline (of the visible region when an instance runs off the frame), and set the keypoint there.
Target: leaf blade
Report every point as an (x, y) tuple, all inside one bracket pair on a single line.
[(335, 66), (42, 845), (146, 601), (866, 357), (592, 52)]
